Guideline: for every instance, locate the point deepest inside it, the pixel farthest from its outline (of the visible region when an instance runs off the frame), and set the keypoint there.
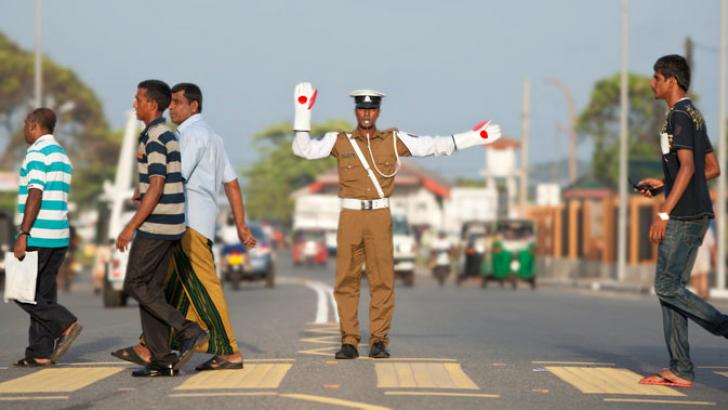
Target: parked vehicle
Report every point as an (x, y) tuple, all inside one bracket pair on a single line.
[(405, 250), (513, 253), (309, 248), (7, 239), (115, 272)]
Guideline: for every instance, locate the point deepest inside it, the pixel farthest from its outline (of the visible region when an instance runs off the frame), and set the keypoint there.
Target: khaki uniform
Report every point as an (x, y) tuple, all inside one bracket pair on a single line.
[(365, 236)]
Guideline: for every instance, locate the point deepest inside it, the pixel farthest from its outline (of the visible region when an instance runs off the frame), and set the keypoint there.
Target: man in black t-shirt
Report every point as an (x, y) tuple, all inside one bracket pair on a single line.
[(688, 162)]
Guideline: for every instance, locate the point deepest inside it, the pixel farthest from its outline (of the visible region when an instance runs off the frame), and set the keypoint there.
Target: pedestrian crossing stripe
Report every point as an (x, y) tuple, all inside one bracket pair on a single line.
[(724, 374), (607, 380), (60, 380), (253, 376), (423, 376)]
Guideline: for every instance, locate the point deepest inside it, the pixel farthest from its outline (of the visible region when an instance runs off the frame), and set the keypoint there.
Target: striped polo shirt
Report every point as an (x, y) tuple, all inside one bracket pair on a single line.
[(158, 155), (46, 167)]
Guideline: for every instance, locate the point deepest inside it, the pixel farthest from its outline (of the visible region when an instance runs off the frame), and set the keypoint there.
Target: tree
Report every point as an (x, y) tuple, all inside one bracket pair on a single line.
[(600, 121), (82, 128), (272, 179)]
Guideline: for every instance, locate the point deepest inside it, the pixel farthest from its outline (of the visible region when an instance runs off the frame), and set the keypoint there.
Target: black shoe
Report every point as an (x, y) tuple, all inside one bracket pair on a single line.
[(187, 345), (154, 370), (347, 351), (378, 351)]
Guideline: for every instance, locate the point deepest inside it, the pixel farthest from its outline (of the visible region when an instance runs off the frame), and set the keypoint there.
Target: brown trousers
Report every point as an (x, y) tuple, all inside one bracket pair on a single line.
[(365, 236)]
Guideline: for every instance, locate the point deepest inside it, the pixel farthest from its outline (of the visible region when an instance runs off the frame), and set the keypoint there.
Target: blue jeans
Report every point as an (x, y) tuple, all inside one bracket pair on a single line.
[(675, 259)]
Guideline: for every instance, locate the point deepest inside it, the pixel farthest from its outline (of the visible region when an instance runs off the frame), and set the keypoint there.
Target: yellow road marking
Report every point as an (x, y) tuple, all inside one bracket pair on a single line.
[(571, 363), (335, 402), (253, 376), (325, 331), (224, 394), (422, 376), (24, 398), (112, 363), (651, 401), (605, 380), (268, 360), (712, 367), (327, 351), (326, 340), (62, 380), (446, 394)]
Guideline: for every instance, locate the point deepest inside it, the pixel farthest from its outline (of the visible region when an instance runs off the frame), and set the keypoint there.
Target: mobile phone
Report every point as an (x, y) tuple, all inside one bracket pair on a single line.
[(653, 191)]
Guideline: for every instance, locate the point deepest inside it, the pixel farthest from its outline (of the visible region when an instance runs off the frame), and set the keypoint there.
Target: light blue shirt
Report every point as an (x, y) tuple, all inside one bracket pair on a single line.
[(205, 168)]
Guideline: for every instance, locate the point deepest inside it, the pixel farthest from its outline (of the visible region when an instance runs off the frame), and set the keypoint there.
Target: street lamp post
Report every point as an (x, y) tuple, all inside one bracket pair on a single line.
[(572, 125), (38, 101), (722, 150), (624, 104)]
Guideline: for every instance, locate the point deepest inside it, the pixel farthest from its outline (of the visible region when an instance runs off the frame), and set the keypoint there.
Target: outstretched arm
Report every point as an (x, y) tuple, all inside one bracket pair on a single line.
[(304, 97), (483, 133)]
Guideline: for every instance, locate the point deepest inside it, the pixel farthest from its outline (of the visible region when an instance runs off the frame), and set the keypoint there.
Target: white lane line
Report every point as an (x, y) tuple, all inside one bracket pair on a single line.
[(325, 303), (322, 305)]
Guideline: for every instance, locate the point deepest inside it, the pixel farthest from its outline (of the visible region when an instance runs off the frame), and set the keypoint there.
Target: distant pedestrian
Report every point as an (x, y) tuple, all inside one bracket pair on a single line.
[(45, 181), (688, 162), (159, 223), (699, 279)]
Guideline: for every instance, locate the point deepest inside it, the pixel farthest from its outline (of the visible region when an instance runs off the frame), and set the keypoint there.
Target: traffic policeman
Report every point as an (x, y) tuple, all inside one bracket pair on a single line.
[(368, 159)]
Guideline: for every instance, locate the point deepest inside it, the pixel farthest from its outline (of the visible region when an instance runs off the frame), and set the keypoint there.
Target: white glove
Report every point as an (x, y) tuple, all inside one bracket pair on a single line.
[(304, 99), (483, 133)]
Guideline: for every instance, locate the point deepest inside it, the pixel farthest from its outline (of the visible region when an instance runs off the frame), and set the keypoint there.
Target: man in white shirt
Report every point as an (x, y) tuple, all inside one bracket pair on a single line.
[(193, 285)]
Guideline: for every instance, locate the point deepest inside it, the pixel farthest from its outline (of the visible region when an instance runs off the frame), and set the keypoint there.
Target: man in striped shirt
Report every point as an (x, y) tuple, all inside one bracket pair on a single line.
[(45, 180), (159, 224)]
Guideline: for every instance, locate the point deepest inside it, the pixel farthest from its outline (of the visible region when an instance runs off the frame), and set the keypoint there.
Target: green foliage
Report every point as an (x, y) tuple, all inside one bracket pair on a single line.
[(468, 183), (278, 173), (600, 122), (81, 129)]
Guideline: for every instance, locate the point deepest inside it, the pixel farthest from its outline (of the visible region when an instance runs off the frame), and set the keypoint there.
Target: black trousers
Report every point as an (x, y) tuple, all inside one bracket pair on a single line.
[(48, 319), (144, 281)]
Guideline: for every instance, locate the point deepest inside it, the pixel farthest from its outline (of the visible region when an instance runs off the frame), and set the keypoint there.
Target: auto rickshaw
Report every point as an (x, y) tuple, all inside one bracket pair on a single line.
[(513, 253)]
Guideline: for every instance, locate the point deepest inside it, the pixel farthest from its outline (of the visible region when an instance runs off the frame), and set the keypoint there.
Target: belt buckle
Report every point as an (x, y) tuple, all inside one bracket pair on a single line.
[(366, 205)]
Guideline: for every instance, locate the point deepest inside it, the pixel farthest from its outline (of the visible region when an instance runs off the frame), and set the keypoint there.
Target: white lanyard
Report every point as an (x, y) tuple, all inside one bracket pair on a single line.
[(365, 164)]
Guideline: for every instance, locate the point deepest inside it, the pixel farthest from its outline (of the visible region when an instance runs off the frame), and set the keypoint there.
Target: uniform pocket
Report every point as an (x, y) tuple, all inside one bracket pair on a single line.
[(349, 170), (387, 165)]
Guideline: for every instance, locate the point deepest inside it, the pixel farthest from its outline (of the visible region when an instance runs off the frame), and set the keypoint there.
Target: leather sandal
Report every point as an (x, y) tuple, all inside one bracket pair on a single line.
[(218, 363)]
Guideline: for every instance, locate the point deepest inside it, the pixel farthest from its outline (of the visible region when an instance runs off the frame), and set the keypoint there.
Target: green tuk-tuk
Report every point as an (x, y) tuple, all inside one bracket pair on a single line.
[(513, 253)]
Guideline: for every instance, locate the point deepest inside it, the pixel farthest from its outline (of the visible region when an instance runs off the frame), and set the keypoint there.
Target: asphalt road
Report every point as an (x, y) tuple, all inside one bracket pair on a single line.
[(457, 348)]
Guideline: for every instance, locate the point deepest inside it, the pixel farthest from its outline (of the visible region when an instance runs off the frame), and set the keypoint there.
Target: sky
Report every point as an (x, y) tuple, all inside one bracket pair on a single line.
[(444, 65)]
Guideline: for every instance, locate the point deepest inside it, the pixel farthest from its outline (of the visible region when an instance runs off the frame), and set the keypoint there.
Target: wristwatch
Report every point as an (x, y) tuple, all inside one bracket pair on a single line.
[(664, 216), (22, 232)]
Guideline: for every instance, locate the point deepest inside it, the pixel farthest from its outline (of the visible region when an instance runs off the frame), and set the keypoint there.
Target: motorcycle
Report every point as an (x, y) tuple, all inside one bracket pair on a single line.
[(441, 265), (234, 257)]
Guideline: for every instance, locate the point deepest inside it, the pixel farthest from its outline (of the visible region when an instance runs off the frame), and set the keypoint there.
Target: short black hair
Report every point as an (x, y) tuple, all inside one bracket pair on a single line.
[(44, 117), (192, 93), (675, 66), (157, 91)]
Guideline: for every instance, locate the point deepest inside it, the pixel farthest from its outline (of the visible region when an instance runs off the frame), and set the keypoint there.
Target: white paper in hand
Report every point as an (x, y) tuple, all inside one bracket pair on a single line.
[(20, 277)]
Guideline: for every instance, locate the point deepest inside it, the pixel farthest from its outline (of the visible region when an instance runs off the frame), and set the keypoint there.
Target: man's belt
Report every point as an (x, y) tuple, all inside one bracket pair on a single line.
[(364, 204)]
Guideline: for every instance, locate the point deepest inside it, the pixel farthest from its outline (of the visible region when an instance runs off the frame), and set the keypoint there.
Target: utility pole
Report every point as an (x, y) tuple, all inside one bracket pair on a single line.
[(524, 143), (624, 105), (720, 282), (38, 101), (689, 47), (572, 125)]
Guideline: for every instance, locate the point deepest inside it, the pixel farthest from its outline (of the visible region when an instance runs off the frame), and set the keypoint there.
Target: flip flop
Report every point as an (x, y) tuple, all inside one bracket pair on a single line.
[(660, 380), (26, 362), (130, 355), (218, 363), (65, 341)]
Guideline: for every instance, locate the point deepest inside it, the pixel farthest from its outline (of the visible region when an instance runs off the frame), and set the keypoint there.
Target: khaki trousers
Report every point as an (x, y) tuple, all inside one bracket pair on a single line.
[(365, 236)]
